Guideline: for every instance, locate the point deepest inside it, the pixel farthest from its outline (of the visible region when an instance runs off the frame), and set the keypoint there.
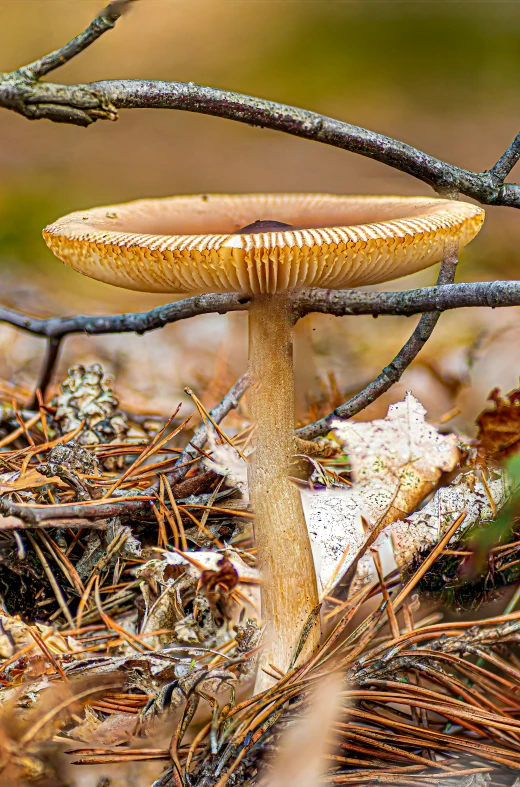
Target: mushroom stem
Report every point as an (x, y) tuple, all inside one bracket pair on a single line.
[(289, 589)]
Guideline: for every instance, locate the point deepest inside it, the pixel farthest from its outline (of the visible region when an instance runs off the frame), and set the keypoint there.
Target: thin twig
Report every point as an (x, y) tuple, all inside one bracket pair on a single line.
[(140, 323), (426, 300), (105, 21), (228, 403), (506, 162), (49, 365), (340, 303), (445, 178), (336, 302), (394, 371)]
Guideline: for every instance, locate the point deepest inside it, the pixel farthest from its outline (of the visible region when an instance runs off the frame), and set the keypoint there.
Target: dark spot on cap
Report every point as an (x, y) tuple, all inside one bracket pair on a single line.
[(264, 225)]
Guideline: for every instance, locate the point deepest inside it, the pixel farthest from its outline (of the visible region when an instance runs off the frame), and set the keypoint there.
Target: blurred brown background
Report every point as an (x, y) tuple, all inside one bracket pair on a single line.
[(439, 75)]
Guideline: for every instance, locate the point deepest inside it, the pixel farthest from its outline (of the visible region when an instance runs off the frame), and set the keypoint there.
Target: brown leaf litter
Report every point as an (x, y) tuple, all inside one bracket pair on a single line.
[(136, 633), (499, 426)]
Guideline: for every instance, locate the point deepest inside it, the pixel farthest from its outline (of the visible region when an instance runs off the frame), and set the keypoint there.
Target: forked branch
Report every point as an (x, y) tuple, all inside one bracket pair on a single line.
[(23, 92)]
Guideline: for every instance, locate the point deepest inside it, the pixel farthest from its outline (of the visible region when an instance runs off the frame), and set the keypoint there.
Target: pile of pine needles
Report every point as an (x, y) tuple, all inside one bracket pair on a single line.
[(422, 698)]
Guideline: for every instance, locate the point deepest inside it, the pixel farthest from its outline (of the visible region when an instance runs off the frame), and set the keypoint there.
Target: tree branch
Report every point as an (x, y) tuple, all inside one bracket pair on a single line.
[(22, 92), (340, 303), (36, 515), (445, 178), (394, 371), (337, 302), (388, 377), (55, 328), (139, 322), (506, 162)]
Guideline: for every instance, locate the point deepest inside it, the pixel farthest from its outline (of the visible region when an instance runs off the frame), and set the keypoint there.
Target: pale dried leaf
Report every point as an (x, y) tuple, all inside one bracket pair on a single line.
[(466, 493), (397, 460), (335, 522), (32, 479), (116, 729), (209, 560)]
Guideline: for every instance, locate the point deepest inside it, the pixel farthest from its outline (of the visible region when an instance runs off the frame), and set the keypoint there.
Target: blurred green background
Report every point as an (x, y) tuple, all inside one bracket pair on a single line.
[(442, 76)]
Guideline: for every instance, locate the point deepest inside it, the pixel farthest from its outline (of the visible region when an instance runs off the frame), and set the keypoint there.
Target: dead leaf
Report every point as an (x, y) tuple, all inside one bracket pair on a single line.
[(396, 461), (116, 729), (15, 635), (13, 482), (217, 586), (210, 560), (320, 449), (466, 493), (173, 584), (335, 522), (499, 426)]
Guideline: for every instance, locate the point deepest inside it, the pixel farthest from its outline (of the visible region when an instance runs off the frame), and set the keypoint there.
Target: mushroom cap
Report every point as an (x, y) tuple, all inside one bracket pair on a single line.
[(190, 244)]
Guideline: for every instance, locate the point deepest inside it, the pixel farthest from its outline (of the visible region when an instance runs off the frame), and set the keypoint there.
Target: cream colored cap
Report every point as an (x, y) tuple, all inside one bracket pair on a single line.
[(190, 244)]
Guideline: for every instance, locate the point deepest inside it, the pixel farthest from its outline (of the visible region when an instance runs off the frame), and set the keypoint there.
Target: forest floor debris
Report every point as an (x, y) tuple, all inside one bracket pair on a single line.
[(131, 615)]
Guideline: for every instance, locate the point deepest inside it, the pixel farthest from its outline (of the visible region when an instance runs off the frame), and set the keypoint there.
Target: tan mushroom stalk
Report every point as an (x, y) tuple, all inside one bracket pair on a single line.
[(266, 246)]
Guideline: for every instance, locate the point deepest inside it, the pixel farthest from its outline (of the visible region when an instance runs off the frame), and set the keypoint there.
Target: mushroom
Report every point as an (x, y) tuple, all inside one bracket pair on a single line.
[(266, 246)]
